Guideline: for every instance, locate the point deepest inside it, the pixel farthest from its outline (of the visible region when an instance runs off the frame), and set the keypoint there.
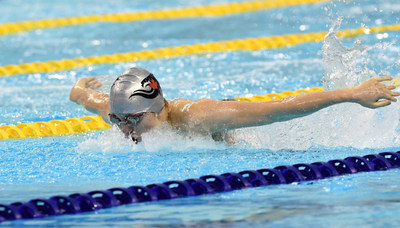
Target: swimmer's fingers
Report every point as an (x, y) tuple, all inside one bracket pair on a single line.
[(92, 82), (384, 78), (382, 103), (374, 94), (393, 83), (387, 99), (390, 96), (389, 93), (95, 84), (91, 77), (83, 82), (394, 93), (391, 87)]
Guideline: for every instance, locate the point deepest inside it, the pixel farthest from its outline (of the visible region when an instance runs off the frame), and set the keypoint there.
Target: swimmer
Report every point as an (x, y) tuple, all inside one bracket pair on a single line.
[(136, 105)]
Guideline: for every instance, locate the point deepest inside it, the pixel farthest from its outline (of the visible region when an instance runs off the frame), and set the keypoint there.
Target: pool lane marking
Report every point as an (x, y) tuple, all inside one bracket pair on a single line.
[(249, 44), (208, 184), (196, 11), (53, 128)]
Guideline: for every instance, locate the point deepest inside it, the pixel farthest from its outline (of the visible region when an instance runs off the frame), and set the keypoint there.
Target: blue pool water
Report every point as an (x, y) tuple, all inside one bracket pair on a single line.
[(41, 168)]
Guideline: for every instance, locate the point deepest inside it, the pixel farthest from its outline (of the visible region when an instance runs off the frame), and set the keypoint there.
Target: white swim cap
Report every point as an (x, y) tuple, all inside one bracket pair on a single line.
[(136, 90)]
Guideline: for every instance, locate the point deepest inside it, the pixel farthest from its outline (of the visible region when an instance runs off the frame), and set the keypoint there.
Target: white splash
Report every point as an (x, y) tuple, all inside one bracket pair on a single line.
[(347, 124), (345, 67), (161, 138)]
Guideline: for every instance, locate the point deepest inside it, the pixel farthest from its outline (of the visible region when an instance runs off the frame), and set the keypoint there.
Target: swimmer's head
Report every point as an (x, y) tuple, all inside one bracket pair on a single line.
[(136, 90)]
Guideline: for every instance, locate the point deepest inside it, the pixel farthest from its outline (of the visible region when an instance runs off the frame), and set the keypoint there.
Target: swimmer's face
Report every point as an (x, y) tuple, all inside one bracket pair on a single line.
[(134, 129)]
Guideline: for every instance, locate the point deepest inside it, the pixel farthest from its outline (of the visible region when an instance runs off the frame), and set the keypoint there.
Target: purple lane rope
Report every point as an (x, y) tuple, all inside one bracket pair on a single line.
[(209, 184)]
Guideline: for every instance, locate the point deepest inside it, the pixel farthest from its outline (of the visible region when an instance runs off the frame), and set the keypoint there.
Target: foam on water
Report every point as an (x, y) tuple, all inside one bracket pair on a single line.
[(345, 67), (346, 124), (161, 138)]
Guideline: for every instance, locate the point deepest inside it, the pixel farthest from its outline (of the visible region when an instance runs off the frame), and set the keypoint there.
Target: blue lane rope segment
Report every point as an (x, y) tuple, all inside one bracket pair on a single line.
[(209, 184)]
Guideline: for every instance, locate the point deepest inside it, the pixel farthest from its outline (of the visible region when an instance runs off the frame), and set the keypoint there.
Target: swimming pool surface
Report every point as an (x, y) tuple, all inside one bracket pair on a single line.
[(40, 168)]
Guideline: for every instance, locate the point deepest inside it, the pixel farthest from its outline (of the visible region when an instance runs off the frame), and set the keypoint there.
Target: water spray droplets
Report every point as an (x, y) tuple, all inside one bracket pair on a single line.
[(347, 124), (344, 66)]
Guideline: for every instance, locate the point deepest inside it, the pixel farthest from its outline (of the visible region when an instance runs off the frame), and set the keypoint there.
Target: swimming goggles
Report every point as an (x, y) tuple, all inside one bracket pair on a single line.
[(127, 118)]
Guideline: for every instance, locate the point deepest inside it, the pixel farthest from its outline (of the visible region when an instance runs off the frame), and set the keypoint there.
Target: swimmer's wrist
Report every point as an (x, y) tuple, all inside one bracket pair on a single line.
[(346, 95), (352, 94)]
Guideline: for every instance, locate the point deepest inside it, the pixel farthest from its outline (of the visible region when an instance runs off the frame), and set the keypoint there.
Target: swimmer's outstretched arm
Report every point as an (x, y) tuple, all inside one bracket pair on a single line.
[(92, 100), (215, 116)]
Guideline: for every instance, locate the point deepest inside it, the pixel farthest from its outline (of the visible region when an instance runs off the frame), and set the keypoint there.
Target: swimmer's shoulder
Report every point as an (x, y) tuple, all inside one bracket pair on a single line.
[(179, 106), (185, 105), (193, 115), (183, 112)]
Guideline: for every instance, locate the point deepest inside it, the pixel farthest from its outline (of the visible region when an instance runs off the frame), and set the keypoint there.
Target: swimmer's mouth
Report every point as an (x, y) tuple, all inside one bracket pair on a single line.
[(137, 139)]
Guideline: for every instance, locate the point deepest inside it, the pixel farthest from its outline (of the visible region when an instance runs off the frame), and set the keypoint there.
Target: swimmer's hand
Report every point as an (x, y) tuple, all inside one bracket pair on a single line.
[(81, 85), (94, 101), (374, 94)]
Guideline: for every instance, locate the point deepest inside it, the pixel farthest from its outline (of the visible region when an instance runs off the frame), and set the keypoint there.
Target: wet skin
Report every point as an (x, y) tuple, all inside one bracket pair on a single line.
[(207, 116)]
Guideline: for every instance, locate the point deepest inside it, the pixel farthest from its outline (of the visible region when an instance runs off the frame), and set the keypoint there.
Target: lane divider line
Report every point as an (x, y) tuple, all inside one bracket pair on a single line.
[(249, 44), (197, 11), (208, 184)]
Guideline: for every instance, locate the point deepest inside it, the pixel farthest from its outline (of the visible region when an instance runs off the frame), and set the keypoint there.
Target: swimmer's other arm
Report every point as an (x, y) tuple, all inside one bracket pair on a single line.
[(215, 116), (92, 100)]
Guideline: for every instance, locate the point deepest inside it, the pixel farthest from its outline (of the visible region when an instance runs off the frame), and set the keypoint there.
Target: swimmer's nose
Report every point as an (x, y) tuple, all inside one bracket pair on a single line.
[(130, 132), (126, 129)]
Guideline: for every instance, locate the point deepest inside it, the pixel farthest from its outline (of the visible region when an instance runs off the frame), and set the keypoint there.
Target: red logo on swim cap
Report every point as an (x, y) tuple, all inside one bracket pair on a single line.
[(149, 81), (153, 84)]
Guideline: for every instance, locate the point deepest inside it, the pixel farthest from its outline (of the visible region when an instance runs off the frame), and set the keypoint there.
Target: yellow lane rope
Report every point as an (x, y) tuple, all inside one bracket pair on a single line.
[(250, 44), (95, 123), (198, 11), (53, 128)]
